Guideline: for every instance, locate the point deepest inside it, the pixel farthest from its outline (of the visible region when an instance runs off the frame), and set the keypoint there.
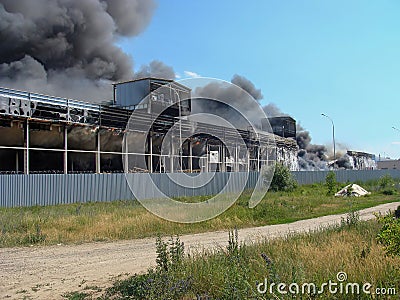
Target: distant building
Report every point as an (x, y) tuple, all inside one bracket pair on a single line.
[(362, 160), (355, 160), (390, 164)]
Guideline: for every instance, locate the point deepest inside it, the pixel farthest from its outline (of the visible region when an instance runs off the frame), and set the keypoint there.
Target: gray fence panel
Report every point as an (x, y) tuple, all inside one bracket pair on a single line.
[(310, 177), (51, 189)]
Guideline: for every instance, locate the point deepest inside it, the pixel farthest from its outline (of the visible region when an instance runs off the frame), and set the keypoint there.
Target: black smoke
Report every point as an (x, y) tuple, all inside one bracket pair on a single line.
[(236, 103), (311, 156), (271, 110), (156, 69), (68, 47), (344, 162), (247, 85)]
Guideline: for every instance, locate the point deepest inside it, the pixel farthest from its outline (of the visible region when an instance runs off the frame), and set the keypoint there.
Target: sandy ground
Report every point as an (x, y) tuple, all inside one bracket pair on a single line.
[(49, 272)]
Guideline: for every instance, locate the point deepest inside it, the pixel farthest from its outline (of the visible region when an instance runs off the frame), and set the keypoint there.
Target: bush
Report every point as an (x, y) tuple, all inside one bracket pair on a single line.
[(330, 182), (352, 219), (389, 192), (169, 256), (385, 182), (386, 185), (163, 282), (283, 179), (389, 236)]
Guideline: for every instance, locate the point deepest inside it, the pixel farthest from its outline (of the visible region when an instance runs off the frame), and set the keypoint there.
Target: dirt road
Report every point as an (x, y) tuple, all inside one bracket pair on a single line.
[(49, 272)]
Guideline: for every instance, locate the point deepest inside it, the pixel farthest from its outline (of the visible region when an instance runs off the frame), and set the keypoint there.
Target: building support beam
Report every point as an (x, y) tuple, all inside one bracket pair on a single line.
[(248, 161), (26, 145), (172, 154), (16, 161), (207, 158), (150, 158), (190, 160), (237, 165), (125, 155), (65, 149), (98, 169), (223, 166)]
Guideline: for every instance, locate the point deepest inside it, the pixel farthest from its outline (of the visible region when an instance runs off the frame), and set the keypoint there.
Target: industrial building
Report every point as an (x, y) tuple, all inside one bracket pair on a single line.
[(389, 164), (46, 134), (362, 160)]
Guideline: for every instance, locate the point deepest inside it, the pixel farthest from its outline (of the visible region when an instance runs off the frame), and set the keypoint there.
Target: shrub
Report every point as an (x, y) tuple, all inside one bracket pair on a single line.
[(169, 255), (389, 192), (389, 235), (163, 282), (385, 181), (386, 185), (330, 182), (352, 219), (283, 179)]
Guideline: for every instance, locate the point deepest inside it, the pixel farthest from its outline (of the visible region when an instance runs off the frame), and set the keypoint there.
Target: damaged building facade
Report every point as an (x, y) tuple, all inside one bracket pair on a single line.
[(356, 160), (45, 134)]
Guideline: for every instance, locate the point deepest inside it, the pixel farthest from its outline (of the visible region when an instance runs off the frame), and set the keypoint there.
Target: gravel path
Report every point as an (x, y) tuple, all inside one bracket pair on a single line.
[(48, 272)]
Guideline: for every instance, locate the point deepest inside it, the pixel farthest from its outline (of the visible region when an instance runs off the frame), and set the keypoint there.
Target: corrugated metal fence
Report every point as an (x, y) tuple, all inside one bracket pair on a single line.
[(309, 177), (51, 189)]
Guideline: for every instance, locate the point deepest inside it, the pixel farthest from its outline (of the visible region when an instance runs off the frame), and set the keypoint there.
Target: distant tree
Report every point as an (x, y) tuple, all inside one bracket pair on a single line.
[(387, 185), (283, 179), (330, 182), (385, 182)]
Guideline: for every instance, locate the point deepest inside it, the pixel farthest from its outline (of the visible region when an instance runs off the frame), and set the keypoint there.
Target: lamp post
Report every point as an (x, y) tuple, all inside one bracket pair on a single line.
[(333, 136), (395, 128)]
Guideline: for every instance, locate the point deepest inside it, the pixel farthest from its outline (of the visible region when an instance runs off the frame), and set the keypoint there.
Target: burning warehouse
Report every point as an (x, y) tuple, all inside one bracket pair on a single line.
[(45, 134)]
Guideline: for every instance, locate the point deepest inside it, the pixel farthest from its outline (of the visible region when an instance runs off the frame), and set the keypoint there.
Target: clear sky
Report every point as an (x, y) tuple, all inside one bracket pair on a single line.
[(341, 58)]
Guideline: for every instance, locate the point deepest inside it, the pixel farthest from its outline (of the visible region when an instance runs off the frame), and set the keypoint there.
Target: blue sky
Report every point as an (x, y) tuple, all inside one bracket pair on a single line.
[(341, 58)]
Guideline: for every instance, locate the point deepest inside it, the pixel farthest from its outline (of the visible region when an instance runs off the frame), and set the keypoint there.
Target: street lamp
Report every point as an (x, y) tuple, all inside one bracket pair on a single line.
[(333, 136)]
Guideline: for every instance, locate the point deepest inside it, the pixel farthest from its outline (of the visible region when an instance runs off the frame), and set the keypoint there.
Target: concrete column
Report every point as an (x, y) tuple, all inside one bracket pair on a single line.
[(26, 145), (150, 159), (207, 158), (190, 160), (237, 158), (223, 167), (172, 154), (16, 161), (98, 170), (125, 151), (248, 161), (65, 149)]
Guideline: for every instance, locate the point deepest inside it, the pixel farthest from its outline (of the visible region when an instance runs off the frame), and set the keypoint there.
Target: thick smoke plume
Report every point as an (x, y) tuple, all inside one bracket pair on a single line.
[(239, 95), (248, 86), (271, 110), (156, 69), (310, 156), (67, 47)]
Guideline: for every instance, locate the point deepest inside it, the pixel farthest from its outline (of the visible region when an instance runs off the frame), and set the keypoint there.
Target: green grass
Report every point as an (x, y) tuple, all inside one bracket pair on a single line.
[(235, 271), (78, 223)]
